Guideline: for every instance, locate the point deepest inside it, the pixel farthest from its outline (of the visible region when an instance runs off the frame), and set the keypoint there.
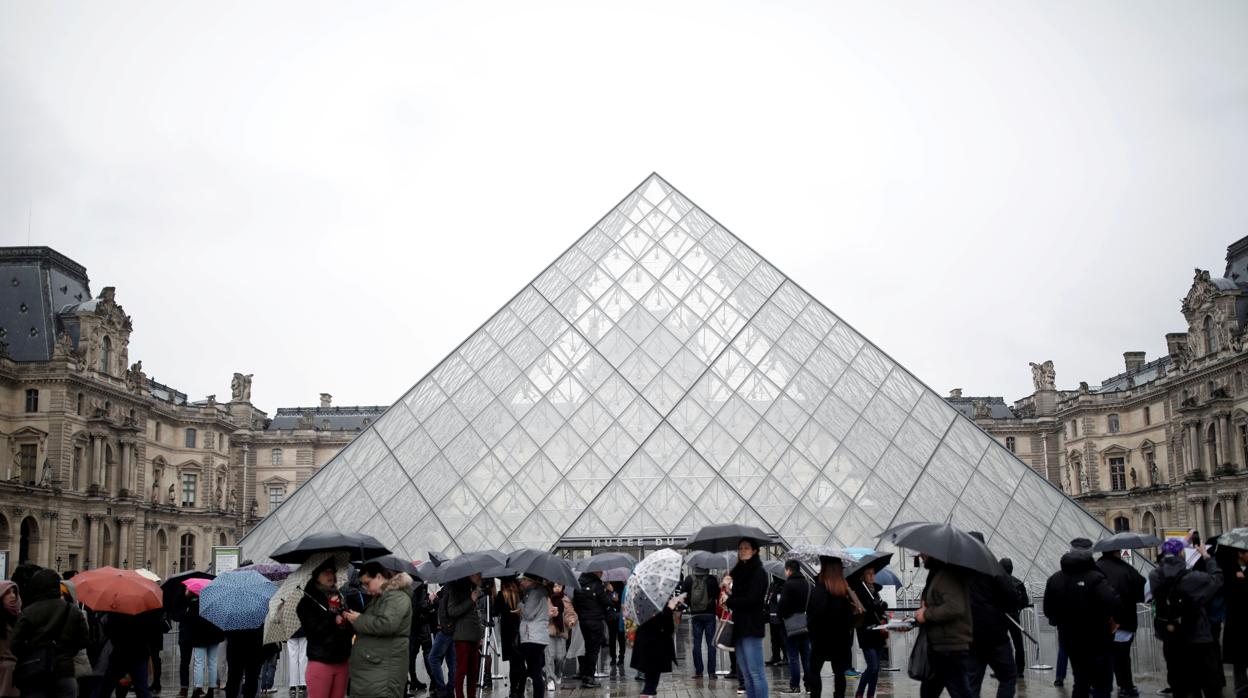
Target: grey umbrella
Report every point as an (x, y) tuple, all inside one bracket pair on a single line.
[(539, 563), (718, 538), (711, 561), (945, 543), (1127, 540), (464, 566), (361, 546), (395, 563), (809, 554), (775, 568), (605, 561)]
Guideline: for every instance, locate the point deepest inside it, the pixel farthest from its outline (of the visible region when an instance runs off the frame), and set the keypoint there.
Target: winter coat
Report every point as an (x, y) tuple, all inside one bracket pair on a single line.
[(379, 657), (1080, 602), (794, 597), (1128, 584), (424, 615), (1201, 587), (947, 618), (535, 608), (654, 649), (200, 632), (1024, 596), (461, 611), (563, 622), (992, 597), (46, 619), (7, 621), (591, 599), (712, 593), (774, 591), (875, 611), (748, 600), (130, 636), (613, 604), (508, 626), (1235, 632), (328, 642), (831, 623)]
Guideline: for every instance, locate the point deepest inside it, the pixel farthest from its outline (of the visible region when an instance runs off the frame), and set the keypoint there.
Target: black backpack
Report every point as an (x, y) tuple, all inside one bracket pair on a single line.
[(1176, 611)]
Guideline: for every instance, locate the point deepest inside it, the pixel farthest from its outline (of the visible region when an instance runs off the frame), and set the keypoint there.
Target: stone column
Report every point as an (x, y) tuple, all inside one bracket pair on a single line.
[(124, 477), (1193, 446), (1229, 515), (47, 542), (124, 551), (89, 539), (97, 461), (1219, 422), (1199, 522)]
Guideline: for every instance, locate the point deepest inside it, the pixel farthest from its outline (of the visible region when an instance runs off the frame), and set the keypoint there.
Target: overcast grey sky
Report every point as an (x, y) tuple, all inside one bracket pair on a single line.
[(333, 195)]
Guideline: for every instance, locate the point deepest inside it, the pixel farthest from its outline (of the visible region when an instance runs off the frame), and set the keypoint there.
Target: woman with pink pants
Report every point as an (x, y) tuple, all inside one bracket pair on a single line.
[(329, 635)]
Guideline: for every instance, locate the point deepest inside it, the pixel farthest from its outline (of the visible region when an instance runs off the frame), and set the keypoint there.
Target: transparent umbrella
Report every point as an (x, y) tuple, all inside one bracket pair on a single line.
[(650, 586)]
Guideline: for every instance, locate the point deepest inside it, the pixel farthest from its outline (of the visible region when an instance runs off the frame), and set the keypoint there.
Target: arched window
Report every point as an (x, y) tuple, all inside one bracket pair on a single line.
[(186, 552), (1210, 337), (1010, 443), (1121, 524), (277, 456), (106, 354), (1113, 423)]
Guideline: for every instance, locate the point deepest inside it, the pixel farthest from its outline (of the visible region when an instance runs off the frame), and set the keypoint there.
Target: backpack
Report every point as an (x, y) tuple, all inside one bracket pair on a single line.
[(699, 599), (1176, 611)]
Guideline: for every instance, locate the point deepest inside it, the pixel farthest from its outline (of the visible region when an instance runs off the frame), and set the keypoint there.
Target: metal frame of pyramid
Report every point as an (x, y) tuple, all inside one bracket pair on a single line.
[(658, 376)]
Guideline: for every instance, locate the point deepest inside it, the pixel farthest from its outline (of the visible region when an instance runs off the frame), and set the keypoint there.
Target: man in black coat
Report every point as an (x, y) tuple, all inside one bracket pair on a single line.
[(1015, 625), (1081, 603), (1129, 585), (591, 601), (1235, 630), (775, 625), (794, 596), (992, 597), (421, 637)]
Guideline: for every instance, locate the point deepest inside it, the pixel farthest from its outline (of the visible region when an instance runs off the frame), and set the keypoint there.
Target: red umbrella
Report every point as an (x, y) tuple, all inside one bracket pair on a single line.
[(108, 589)]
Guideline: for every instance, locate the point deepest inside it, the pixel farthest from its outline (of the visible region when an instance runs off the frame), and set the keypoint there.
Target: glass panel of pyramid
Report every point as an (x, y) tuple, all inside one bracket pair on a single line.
[(658, 376)]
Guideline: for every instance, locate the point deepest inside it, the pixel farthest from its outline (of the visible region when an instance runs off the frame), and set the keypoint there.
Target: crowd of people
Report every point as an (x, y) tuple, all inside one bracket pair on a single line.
[(370, 638)]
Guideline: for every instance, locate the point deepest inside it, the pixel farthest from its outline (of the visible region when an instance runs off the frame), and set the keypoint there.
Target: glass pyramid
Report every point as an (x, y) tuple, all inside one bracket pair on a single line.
[(658, 376)]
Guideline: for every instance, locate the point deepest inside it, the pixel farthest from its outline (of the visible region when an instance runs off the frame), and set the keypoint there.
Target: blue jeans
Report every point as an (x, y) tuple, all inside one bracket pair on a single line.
[(268, 673), (703, 634), (798, 649), (870, 675), (443, 650), (750, 662), (204, 661)]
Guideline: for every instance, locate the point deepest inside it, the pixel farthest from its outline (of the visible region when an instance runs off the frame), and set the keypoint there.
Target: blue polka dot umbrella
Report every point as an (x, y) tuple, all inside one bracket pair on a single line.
[(237, 600)]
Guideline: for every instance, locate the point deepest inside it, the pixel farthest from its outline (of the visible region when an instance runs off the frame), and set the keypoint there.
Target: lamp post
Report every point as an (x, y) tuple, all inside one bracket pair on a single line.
[(125, 564), (58, 564)]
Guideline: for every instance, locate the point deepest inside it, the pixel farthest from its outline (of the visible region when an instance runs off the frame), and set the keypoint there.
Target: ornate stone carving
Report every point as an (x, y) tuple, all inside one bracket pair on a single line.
[(1043, 376), (1201, 292), (171, 490), (136, 380), (240, 388), (982, 409)]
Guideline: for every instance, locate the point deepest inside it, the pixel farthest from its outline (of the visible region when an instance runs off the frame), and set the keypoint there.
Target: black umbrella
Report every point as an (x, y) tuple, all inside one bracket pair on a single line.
[(605, 561), (874, 561), (174, 592), (361, 546), (711, 561), (437, 558), (1127, 540), (718, 538), (945, 543), (397, 564), (464, 566), (539, 563)]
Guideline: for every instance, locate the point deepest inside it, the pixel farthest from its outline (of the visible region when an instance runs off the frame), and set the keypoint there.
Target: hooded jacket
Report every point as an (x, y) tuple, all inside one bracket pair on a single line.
[(992, 598), (46, 618), (947, 618), (875, 611), (1128, 584), (535, 608), (8, 617), (379, 657), (1201, 587), (591, 600), (1080, 602), (461, 612), (748, 600)]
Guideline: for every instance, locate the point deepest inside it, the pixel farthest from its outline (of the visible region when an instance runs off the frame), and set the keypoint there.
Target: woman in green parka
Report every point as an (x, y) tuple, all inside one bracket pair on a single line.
[(379, 657)]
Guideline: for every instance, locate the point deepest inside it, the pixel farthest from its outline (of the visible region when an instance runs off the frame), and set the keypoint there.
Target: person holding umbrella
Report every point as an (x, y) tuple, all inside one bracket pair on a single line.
[(831, 623), (748, 603), (47, 627), (559, 630), (379, 656), (591, 602), (129, 635), (871, 642), (327, 632), (507, 610), (461, 609), (205, 640), (654, 649), (533, 636)]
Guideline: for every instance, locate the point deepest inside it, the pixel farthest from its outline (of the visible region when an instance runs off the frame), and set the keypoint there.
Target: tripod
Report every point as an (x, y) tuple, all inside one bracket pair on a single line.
[(488, 645)]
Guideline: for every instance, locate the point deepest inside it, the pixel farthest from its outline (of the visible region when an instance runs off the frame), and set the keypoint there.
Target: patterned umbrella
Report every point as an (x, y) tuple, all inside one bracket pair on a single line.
[(272, 571), (1235, 538), (650, 586), (236, 600), (809, 554), (282, 622)]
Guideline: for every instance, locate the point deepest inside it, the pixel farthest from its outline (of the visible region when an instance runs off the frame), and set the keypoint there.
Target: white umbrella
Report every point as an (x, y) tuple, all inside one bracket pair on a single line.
[(650, 586), (282, 621)]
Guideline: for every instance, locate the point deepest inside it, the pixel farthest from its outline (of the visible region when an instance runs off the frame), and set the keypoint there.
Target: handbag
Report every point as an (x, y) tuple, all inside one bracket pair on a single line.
[(797, 624), (723, 635), (920, 668)]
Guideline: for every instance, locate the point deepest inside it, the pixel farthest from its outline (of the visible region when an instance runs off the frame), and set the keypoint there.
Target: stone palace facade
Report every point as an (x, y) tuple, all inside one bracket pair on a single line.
[(1164, 443), (104, 465)]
